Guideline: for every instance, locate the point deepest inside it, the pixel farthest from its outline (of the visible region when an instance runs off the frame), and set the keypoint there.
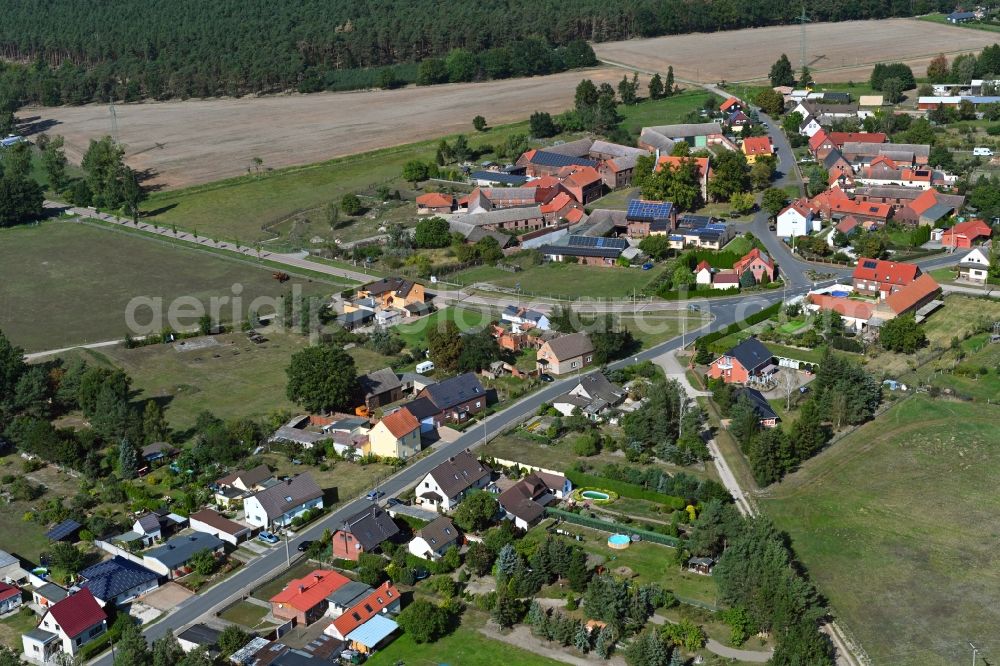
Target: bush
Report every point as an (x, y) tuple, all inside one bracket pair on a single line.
[(581, 479)]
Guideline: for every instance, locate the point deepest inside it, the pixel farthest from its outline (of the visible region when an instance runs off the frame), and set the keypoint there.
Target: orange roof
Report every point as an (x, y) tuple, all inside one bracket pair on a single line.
[(750, 257), (367, 608), (675, 162), (882, 159), (800, 206), (527, 155), (435, 200), (916, 175), (544, 181), (847, 224), (582, 177), (970, 229), (863, 209), (732, 101), (828, 197), (305, 593), (922, 203), (557, 202), (757, 145), (817, 140), (906, 298), (574, 215), (840, 138), (401, 422), (701, 266), (886, 273), (845, 306)]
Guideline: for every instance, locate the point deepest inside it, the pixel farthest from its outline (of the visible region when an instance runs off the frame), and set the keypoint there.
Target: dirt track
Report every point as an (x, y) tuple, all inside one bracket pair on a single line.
[(206, 140), (198, 141), (835, 51)]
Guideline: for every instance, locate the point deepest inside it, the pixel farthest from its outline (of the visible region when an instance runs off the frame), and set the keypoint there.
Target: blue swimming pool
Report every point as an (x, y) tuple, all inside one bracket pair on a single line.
[(840, 294)]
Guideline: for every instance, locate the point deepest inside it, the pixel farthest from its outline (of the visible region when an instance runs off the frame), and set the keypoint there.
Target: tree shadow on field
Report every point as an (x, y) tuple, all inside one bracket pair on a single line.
[(158, 211)]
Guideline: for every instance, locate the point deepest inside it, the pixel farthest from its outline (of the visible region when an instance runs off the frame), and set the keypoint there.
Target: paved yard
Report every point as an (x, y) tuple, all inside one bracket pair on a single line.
[(167, 596)]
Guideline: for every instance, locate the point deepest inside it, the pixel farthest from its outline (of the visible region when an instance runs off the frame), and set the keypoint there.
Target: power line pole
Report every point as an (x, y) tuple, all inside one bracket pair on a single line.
[(803, 19), (114, 120), (975, 651)]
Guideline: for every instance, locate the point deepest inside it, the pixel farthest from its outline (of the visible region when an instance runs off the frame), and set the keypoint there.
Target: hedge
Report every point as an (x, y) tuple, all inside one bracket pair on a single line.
[(613, 528), (624, 489), (738, 326)]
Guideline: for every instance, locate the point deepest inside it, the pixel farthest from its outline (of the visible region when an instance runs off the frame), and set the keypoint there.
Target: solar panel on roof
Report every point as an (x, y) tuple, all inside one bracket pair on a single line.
[(63, 530), (597, 241), (870, 264), (649, 210), (556, 160)]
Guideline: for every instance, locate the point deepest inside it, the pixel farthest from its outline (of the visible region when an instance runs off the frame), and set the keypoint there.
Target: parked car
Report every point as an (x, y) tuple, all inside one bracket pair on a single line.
[(305, 545), (374, 495), (395, 501), (267, 537), (648, 266), (694, 307), (546, 378)]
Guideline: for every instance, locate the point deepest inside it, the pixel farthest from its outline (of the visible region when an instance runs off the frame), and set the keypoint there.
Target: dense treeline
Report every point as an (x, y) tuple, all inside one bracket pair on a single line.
[(127, 49)]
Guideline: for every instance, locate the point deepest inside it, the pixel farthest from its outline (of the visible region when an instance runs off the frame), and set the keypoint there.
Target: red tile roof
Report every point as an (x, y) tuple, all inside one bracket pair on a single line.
[(674, 162), (732, 101), (365, 609), (401, 422), (77, 613), (306, 592), (909, 296), (817, 140), (700, 266), (544, 181), (845, 306), (557, 203), (922, 203), (582, 177), (574, 215), (8, 591), (757, 145), (971, 229), (847, 224), (435, 200), (800, 206), (852, 207), (840, 138), (886, 273)]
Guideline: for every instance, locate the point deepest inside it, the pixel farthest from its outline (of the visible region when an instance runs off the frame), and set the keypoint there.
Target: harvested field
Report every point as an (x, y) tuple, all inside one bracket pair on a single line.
[(198, 141), (835, 51)]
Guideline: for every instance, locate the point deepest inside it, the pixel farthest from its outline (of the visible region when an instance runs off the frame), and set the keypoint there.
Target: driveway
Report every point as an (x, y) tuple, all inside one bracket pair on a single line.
[(167, 596)]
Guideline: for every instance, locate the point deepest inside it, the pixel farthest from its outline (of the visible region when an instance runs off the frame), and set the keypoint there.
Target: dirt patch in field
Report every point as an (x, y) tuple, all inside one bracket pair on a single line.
[(198, 141), (834, 51)]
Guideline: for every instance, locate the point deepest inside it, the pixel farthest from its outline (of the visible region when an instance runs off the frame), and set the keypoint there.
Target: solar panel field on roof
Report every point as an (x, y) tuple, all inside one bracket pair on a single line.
[(597, 241), (544, 158), (649, 210)]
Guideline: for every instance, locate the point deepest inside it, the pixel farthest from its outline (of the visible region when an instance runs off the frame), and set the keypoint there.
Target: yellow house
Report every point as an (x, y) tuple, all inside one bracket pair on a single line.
[(755, 147), (396, 435)]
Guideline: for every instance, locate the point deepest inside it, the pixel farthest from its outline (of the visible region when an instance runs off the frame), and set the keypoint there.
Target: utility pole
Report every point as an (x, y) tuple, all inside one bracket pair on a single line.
[(803, 19), (114, 120), (975, 651), (288, 558)]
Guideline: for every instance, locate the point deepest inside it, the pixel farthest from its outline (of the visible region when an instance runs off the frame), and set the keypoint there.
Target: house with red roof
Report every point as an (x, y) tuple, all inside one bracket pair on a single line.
[(66, 626), (929, 207), (822, 204), (919, 295), (381, 601), (838, 139), (702, 164), (559, 207), (435, 202), (397, 435), (820, 143), (797, 219), (878, 213), (848, 225), (730, 105), (10, 597), (875, 277), (855, 313), (758, 263), (755, 147), (703, 273), (966, 234), (304, 599), (584, 184)]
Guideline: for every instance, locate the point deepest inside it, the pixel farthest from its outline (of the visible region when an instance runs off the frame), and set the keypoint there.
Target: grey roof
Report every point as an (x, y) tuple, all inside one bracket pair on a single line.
[(402, 286), (498, 177), (63, 530), (52, 592), (439, 532), (422, 408), (888, 192), (201, 634), (551, 159), (476, 234), (356, 317), (454, 391), (832, 158), (937, 211), (181, 549), (578, 148), (285, 496), (158, 449), (652, 137), (371, 527), (250, 477), (760, 404), (578, 251), (601, 222), (7, 560), (108, 579), (499, 216), (40, 635), (616, 150), (291, 434), (459, 473), (751, 353), (685, 130), (819, 108), (570, 346), (875, 149), (597, 386), (347, 595), (149, 523), (379, 381)]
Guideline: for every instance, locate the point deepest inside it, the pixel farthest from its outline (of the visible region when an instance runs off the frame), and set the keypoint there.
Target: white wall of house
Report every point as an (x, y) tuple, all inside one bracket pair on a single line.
[(792, 223)]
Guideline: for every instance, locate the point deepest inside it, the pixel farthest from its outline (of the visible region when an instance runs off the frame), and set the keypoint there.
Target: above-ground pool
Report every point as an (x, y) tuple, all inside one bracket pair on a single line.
[(595, 495), (840, 294), (619, 541)]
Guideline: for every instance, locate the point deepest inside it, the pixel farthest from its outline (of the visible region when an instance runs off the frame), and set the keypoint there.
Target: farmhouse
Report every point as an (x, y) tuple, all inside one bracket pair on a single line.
[(397, 435), (538, 163), (435, 202), (567, 353), (749, 362), (66, 627), (646, 218), (696, 135), (304, 600), (279, 504), (448, 484), (875, 277), (586, 250), (918, 298), (433, 539), (363, 533), (584, 184), (929, 207), (861, 154)]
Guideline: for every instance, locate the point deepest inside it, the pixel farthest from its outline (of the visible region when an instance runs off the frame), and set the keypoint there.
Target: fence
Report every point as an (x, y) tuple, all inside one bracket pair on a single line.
[(613, 528)]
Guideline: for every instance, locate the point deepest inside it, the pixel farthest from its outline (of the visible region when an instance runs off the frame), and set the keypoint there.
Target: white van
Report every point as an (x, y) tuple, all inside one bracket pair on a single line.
[(982, 152), (425, 367)]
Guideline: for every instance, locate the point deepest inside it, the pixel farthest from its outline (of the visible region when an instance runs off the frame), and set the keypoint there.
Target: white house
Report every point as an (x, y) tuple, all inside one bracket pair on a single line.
[(809, 127), (520, 316), (975, 266), (593, 395), (447, 484), (279, 504), (65, 627), (433, 539), (703, 274), (796, 220), (216, 524)]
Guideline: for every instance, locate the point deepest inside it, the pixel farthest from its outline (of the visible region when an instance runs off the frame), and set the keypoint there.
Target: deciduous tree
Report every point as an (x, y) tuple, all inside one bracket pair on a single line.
[(322, 378)]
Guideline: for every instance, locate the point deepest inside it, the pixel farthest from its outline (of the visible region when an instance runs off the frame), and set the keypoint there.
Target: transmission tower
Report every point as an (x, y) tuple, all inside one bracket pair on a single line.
[(114, 121), (803, 19)]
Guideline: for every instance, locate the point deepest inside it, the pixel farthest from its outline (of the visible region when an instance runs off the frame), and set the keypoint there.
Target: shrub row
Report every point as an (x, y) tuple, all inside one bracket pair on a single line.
[(580, 479), (738, 326)]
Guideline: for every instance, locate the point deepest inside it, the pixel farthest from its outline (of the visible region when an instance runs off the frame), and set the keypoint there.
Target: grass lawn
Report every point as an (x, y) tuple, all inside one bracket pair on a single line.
[(617, 200), (232, 379), (415, 334), (245, 613), (975, 375), (911, 581), (653, 328), (792, 325), (13, 626), (67, 284), (666, 111), (465, 646), (346, 480), (558, 280), (975, 25), (268, 590)]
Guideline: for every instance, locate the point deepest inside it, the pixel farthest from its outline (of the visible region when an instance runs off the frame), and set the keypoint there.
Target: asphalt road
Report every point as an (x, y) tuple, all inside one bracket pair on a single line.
[(267, 566)]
